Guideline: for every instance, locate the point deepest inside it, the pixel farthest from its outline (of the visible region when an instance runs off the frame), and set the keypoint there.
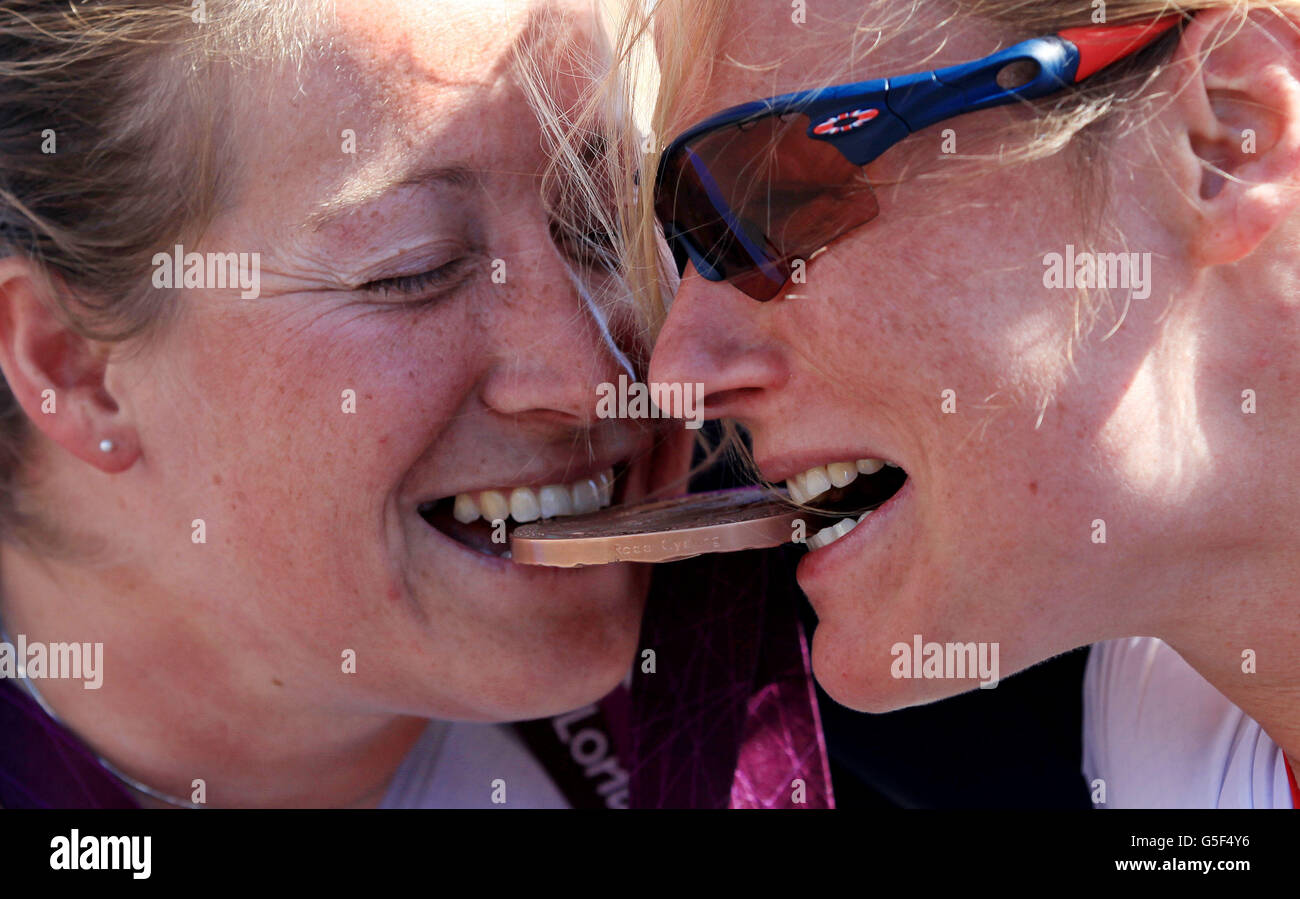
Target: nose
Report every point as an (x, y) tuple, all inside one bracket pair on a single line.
[(717, 336), (550, 346)]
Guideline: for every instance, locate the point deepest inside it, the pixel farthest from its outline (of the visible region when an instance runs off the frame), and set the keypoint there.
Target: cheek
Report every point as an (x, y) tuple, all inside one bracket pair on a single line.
[(288, 433), (952, 298), (945, 364), (309, 395)]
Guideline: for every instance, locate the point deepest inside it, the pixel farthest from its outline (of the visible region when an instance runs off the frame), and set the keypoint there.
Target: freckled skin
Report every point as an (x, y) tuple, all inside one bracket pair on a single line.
[(225, 657), (944, 291)]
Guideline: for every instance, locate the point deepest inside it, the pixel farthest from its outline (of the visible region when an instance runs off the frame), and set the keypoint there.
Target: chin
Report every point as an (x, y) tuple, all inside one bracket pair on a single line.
[(861, 674), (576, 691), (566, 666)]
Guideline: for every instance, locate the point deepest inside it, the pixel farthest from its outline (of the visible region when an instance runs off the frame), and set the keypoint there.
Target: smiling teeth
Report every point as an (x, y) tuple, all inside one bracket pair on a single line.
[(465, 510), (528, 504), (555, 500), (827, 536), (524, 505), (812, 483), (841, 473)]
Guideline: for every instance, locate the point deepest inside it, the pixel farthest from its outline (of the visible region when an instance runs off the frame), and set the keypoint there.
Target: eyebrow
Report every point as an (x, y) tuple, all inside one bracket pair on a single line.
[(355, 196)]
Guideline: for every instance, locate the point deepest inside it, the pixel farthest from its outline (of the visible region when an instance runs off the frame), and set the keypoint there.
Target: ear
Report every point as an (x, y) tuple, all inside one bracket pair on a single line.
[(57, 375), (1237, 105)]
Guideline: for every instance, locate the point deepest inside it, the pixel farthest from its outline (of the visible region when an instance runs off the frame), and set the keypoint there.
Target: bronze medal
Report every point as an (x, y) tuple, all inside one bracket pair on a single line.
[(662, 531)]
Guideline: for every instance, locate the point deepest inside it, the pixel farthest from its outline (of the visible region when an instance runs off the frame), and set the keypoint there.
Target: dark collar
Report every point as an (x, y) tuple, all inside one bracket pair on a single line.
[(42, 765)]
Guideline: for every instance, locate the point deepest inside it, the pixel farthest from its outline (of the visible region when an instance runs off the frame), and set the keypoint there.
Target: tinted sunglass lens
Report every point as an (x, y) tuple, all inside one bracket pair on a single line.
[(757, 197)]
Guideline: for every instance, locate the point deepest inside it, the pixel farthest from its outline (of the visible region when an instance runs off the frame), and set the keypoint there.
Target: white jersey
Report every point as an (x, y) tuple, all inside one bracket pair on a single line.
[(455, 765), (1161, 736)]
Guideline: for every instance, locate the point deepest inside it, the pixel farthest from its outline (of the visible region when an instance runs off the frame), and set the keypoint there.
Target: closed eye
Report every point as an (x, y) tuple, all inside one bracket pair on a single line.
[(421, 282)]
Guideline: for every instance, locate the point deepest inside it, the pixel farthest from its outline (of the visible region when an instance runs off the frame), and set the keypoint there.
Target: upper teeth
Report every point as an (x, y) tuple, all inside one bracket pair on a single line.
[(526, 504), (817, 480)]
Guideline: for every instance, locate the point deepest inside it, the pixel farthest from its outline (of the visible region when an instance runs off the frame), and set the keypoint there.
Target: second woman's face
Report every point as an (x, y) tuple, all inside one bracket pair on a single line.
[(928, 338), (417, 339)]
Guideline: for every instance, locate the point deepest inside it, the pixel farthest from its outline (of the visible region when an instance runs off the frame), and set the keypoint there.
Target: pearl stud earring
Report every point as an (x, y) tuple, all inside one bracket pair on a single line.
[(105, 445)]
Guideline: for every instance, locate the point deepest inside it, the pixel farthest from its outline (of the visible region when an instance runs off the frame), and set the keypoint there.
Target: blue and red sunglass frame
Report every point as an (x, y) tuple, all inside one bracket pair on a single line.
[(864, 119)]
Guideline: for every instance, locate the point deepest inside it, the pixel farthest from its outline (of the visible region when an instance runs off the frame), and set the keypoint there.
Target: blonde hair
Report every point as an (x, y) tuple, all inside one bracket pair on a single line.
[(596, 182), (114, 142), (687, 38)]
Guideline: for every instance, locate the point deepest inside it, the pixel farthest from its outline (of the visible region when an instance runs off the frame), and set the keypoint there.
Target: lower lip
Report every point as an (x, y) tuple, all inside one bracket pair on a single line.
[(829, 562), (493, 563)]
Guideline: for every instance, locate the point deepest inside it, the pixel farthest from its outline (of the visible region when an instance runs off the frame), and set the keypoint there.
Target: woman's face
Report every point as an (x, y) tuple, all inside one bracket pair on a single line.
[(408, 161), (994, 536)]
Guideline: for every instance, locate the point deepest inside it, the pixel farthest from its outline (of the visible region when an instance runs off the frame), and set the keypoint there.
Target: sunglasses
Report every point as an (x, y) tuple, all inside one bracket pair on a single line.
[(748, 193)]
